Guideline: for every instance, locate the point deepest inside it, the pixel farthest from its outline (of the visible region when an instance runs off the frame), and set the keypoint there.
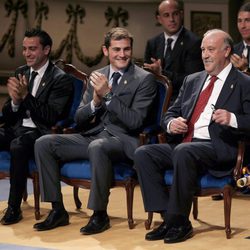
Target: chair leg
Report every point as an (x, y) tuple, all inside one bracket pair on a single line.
[(227, 196), (25, 194), (148, 222), (76, 197), (195, 207), (130, 186), (36, 189)]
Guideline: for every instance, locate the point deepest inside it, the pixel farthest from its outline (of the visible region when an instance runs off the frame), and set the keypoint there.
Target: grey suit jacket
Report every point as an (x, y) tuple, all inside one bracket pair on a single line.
[(128, 111), (234, 97), (52, 101)]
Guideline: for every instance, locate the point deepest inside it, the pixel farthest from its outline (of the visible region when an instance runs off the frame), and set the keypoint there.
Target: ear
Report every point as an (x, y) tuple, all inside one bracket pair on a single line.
[(158, 17), (105, 51), (228, 51), (47, 49)]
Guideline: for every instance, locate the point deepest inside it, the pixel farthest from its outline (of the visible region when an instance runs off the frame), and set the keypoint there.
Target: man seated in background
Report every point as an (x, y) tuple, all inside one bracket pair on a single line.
[(40, 94), (175, 52), (115, 108), (202, 125)]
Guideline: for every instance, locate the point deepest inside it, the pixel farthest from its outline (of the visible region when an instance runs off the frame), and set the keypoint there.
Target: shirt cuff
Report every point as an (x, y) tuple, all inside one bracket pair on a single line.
[(233, 121), (14, 107), (93, 107)]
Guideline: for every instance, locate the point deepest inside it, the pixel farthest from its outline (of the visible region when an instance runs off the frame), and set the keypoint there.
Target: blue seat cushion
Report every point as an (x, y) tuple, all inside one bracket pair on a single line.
[(204, 181), (4, 161), (81, 170)]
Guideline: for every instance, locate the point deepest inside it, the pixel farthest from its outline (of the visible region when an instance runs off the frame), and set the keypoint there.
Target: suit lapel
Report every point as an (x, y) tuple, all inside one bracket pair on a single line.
[(126, 79), (45, 80), (227, 88), (178, 47)]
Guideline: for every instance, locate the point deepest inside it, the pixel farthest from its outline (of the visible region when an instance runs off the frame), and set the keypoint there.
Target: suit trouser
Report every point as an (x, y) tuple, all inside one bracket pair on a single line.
[(20, 143), (187, 159), (101, 150)]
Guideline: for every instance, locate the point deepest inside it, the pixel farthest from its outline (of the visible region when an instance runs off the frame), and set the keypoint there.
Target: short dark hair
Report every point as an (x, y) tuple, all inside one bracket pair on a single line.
[(117, 34), (245, 7), (44, 37)]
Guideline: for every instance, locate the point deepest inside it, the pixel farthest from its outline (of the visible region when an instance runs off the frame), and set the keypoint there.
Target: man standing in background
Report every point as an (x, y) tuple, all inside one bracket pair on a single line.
[(176, 52)]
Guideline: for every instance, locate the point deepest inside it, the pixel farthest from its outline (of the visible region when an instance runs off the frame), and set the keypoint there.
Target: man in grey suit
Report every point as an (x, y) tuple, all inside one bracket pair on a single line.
[(112, 114), (183, 55), (202, 126)]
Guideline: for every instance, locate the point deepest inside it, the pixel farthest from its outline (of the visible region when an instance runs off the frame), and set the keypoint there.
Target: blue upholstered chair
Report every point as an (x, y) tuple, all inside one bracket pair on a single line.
[(78, 173), (80, 82), (209, 185)]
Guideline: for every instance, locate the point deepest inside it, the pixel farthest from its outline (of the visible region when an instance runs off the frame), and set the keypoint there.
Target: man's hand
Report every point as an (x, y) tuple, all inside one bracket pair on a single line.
[(221, 116), (178, 126), (155, 66), (239, 62), (100, 84)]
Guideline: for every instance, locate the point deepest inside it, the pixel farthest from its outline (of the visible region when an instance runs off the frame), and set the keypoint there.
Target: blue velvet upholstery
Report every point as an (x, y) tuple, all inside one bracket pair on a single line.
[(82, 170), (204, 181), (78, 89), (4, 161)]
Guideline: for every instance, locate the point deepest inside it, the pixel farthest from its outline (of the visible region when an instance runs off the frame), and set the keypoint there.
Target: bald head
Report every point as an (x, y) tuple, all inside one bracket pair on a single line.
[(170, 16)]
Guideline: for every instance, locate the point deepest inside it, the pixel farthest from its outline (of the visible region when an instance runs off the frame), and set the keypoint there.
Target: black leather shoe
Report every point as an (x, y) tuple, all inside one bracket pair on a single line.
[(11, 216), (158, 233), (56, 218), (96, 224), (179, 234)]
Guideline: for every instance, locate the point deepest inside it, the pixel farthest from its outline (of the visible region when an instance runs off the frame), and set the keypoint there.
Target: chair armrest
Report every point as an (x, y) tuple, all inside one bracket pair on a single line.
[(149, 134), (238, 169)]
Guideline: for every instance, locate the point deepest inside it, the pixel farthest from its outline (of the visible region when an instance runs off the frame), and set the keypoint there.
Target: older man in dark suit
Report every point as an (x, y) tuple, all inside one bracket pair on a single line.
[(175, 52), (213, 105), (40, 95), (114, 109)]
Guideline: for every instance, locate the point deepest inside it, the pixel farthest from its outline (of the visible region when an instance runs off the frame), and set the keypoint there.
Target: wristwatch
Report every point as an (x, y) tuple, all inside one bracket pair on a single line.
[(107, 97)]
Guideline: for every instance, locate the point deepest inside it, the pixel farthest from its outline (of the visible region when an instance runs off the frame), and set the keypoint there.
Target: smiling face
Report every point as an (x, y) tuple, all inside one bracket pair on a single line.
[(170, 17), (34, 53), (243, 23), (119, 53), (215, 52)]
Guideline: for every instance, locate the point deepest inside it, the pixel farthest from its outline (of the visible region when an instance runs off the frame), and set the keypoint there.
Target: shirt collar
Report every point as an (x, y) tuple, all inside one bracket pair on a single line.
[(111, 71), (174, 37), (42, 70), (225, 72)]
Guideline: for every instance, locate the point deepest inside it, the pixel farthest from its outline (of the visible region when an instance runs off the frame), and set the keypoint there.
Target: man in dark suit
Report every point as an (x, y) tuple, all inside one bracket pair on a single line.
[(35, 104), (110, 117), (183, 56), (241, 56), (212, 106)]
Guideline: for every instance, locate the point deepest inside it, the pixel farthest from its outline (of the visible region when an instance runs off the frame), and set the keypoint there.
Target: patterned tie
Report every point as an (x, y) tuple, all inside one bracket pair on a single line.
[(198, 109), (31, 81), (168, 52), (115, 76)]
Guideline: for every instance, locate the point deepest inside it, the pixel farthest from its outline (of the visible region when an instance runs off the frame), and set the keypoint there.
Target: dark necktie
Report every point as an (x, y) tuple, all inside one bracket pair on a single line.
[(115, 76), (198, 109), (168, 52), (31, 81), (248, 56)]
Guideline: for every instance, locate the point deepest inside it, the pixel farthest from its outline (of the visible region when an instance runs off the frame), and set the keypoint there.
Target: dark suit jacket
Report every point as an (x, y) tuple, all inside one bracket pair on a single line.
[(51, 103), (128, 111), (238, 48), (234, 97), (185, 58)]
